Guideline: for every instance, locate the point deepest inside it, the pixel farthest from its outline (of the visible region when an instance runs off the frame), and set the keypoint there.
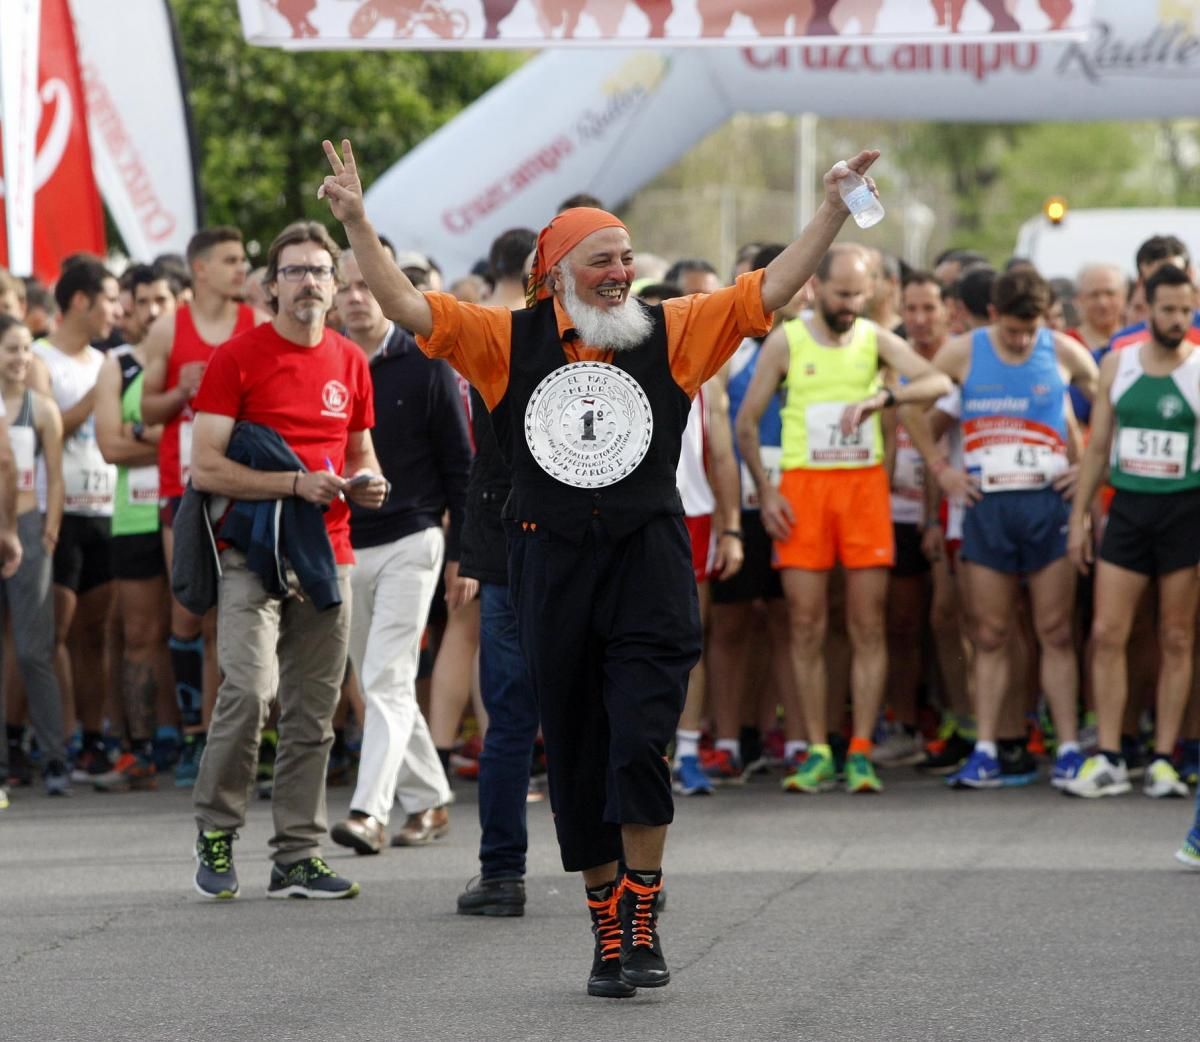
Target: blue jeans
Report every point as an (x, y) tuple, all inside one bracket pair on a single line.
[(507, 755)]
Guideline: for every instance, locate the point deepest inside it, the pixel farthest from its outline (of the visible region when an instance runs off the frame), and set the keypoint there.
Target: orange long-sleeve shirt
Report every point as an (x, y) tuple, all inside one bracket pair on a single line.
[(703, 330)]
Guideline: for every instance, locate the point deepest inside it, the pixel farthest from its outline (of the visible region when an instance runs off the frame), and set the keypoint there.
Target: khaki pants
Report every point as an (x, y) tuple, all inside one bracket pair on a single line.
[(311, 647)]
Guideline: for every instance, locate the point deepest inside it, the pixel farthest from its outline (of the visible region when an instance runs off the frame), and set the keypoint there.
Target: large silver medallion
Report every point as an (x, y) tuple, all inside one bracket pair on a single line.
[(588, 424)]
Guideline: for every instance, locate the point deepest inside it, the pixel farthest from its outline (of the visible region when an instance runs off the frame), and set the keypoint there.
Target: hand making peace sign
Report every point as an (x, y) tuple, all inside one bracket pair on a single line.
[(342, 188)]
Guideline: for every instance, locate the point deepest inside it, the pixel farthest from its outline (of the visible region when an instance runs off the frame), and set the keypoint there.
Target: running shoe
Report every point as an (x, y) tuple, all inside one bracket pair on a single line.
[(1133, 752), (690, 780), (860, 774), (816, 774), (4, 804), (945, 756), (1189, 762), (721, 765), (464, 760), (1098, 777), (1037, 742), (310, 877), (167, 744), (1162, 781), (1066, 767), (20, 770), (1189, 853), (1017, 766), (899, 749), (188, 766), (979, 772), (56, 779), (215, 875), (128, 773), (90, 763)]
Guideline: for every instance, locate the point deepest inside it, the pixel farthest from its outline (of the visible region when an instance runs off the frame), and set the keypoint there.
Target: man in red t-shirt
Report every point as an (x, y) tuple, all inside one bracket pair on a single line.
[(312, 387)]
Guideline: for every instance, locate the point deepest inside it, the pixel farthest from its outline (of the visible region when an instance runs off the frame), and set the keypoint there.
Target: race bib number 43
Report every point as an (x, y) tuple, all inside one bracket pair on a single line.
[(588, 424), (1009, 466), (1152, 454)]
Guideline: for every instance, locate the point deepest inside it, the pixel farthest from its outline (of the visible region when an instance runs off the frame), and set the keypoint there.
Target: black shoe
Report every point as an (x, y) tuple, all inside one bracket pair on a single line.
[(1017, 765), (56, 779), (20, 770), (499, 897), (642, 961), (606, 979), (950, 757), (215, 875), (310, 877), (839, 746)]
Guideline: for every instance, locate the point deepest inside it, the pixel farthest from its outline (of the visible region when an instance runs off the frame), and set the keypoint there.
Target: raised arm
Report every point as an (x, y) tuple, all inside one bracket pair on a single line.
[(401, 301), (795, 265)]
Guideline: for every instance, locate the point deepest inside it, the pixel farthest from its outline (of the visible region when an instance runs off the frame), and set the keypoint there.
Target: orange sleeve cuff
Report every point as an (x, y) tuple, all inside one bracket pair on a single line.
[(475, 340), (704, 330)]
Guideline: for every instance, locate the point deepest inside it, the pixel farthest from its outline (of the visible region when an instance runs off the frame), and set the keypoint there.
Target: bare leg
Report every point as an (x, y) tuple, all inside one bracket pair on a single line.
[(1053, 593), (807, 600)]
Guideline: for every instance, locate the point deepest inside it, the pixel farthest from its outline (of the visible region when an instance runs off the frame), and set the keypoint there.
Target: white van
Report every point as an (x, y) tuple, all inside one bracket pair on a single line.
[(1102, 236)]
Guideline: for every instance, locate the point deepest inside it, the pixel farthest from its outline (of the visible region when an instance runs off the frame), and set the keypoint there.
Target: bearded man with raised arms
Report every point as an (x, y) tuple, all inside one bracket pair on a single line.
[(589, 392)]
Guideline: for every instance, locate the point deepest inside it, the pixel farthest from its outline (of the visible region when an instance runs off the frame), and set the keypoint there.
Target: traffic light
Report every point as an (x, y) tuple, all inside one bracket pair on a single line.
[(1055, 209)]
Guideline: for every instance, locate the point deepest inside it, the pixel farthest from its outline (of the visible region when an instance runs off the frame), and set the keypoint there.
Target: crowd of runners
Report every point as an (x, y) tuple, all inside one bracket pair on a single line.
[(941, 521)]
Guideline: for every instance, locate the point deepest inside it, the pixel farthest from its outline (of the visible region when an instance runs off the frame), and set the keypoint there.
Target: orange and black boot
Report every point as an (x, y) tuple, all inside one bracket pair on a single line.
[(604, 903), (642, 962)]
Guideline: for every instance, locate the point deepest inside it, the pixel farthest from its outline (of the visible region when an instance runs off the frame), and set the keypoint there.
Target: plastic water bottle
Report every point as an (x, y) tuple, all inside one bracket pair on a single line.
[(864, 204)]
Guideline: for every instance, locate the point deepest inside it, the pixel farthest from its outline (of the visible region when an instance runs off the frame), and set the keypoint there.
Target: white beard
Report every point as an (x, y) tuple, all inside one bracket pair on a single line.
[(619, 329)]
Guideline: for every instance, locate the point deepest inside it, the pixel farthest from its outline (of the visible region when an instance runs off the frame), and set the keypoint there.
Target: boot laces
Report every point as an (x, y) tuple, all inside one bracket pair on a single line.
[(644, 920), (606, 922)]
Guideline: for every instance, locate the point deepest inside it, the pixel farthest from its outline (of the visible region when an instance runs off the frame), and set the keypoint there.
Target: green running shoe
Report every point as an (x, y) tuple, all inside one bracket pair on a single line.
[(816, 773), (215, 876), (860, 774)]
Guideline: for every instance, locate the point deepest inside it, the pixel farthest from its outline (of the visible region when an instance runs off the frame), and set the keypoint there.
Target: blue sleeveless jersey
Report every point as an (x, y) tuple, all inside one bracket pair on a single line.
[(770, 427), (1013, 422)]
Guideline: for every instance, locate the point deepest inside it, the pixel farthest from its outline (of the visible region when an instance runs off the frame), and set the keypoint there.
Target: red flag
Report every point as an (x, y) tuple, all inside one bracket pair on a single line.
[(67, 216)]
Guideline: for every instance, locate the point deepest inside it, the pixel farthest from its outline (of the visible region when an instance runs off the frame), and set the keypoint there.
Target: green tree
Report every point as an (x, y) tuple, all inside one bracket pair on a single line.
[(260, 113)]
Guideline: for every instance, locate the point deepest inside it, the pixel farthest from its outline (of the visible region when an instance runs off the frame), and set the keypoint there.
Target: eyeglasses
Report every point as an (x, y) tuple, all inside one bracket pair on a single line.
[(296, 272)]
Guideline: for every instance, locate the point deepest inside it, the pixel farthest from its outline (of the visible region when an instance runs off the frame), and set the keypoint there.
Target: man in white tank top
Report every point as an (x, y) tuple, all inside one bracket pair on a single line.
[(66, 368)]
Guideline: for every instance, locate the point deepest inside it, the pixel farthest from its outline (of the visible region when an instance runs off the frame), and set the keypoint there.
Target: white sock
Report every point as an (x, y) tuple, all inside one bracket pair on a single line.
[(731, 746), (794, 749), (987, 748), (687, 743), (1067, 747)]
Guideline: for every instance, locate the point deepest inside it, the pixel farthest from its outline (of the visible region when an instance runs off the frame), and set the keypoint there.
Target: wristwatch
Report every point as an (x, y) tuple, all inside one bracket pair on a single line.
[(139, 431)]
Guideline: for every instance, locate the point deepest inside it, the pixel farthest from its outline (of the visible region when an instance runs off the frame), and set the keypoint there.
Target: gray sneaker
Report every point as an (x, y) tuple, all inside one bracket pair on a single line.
[(215, 875), (310, 877)]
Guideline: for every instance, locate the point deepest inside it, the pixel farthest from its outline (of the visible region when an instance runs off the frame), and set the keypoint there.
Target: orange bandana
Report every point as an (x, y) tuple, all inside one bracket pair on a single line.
[(559, 238)]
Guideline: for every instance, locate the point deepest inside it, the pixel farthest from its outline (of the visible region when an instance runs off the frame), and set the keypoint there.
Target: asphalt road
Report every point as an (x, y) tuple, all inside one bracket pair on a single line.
[(919, 914)]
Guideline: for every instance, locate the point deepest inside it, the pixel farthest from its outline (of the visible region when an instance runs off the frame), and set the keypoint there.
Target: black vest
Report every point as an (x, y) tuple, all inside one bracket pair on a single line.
[(484, 548), (648, 491)]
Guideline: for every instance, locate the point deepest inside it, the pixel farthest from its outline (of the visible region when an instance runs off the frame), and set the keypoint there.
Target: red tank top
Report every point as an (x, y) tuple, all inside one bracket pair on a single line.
[(175, 448)]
